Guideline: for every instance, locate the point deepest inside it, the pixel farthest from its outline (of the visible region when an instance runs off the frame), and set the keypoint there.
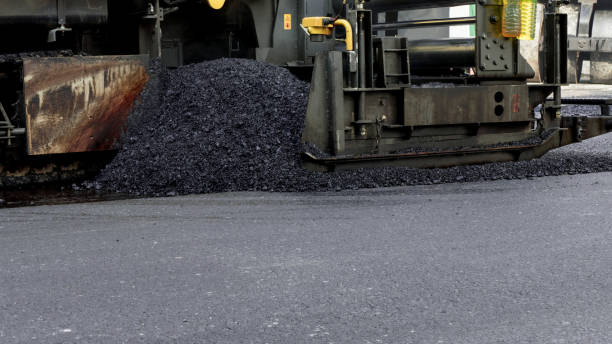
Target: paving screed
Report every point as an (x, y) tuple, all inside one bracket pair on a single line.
[(235, 125)]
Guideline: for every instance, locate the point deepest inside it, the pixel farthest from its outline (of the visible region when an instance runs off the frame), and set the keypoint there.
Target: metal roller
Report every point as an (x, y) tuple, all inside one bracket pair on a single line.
[(442, 53), (395, 5), (424, 23)]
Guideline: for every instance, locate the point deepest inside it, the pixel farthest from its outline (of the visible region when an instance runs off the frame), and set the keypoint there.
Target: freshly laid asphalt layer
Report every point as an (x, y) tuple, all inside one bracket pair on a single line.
[(235, 125), (508, 261)]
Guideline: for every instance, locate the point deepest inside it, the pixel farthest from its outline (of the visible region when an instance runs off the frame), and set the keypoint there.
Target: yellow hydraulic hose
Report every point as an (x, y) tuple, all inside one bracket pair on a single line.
[(349, 32), (324, 26)]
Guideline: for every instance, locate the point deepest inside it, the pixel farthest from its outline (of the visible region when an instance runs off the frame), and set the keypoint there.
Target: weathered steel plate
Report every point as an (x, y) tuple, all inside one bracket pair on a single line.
[(81, 103), (461, 105)]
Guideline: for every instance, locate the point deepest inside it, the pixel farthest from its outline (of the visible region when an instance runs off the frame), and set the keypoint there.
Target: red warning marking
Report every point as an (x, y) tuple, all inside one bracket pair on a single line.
[(516, 103), (287, 21)]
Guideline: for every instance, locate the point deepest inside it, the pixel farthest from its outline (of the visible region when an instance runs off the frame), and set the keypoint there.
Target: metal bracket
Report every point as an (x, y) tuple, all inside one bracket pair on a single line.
[(585, 18), (7, 129), (579, 129), (61, 21), (587, 44), (53, 33)]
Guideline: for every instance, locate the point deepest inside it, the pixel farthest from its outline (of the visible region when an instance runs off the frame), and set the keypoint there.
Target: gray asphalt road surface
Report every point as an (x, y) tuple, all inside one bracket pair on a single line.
[(521, 261)]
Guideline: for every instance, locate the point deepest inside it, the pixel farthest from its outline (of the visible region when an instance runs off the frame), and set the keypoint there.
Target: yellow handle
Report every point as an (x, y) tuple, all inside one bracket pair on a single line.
[(349, 32)]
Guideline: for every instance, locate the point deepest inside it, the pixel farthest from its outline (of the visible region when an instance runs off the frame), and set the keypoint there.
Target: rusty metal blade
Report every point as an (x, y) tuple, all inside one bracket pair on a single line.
[(81, 103)]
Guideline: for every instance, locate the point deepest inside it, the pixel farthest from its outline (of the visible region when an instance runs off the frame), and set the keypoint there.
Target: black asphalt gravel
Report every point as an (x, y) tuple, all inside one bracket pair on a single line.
[(235, 125)]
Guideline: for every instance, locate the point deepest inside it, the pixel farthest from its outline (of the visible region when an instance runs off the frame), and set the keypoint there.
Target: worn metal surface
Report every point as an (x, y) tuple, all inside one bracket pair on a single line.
[(79, 104), (36, 171), (439, 53), (573, 129), (436, 159), (601, 68), (477, 104)]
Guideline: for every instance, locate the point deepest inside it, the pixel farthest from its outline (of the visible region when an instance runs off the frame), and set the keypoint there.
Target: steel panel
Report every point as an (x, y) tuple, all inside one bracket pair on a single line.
[(79, 104), (463, 105)]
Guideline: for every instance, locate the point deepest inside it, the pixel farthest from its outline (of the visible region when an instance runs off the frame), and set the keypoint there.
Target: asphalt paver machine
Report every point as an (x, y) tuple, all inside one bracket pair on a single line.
[(71, 70), (381, 100)]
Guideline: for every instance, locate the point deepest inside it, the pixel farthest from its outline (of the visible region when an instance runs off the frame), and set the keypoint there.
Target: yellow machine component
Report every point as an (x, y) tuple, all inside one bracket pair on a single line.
[(511, 18), (519, 19), (324, 26), (216, 4), (528, 19), (318, 25), (349, 32)]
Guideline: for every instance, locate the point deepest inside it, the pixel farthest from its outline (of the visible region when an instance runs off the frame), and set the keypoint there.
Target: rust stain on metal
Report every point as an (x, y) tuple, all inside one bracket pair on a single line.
[(516, 103), (79, 104)]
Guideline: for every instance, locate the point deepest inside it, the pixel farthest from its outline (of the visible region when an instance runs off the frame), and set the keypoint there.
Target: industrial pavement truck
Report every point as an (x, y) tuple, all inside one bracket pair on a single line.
[(72, 69)]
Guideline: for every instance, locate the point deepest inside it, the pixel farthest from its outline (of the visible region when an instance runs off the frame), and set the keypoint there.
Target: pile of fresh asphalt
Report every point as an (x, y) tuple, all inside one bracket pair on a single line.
[(235, 125)]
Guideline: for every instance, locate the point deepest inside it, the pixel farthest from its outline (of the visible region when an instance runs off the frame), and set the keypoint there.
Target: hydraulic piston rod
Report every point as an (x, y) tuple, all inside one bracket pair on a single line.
[(424, 23), (442, 53), (394, 5)]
